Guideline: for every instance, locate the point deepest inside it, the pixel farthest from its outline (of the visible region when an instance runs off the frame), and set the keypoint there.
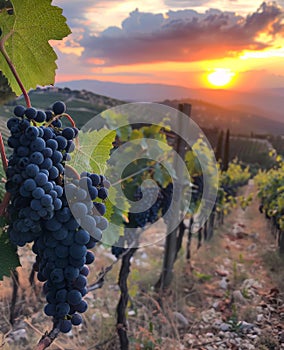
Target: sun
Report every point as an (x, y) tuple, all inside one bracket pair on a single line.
[(220, 77)]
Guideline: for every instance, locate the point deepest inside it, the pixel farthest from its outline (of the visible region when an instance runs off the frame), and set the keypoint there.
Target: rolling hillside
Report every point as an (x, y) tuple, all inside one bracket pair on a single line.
[(239, 122), (81, 105), (84, 105), (268, 103)]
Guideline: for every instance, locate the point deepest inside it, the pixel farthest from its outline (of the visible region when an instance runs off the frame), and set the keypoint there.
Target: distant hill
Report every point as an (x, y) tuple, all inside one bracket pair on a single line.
[(84, 105), (129, 92), (212, 116), (268, 102)]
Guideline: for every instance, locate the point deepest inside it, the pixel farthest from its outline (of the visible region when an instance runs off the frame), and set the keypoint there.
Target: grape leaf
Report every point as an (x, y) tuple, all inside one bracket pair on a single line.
[(115, 215), (25, 36), (93, 151), (9, 259), (101, 150)]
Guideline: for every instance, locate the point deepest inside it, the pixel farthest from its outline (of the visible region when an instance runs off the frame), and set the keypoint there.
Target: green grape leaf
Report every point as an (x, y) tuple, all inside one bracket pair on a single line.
[(93, 151), (25, 38), (101, 150), (162, 176), (116, 215), (9, 259)]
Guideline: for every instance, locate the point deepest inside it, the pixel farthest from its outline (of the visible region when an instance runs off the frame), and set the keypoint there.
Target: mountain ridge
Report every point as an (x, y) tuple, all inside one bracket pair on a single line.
[(268, 102), (84, 105)]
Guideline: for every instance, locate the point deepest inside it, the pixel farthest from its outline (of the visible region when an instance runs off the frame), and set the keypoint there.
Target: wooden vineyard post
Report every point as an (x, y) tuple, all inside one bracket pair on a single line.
[(172, 237), (219, 148), (281, 242), (226, 152)]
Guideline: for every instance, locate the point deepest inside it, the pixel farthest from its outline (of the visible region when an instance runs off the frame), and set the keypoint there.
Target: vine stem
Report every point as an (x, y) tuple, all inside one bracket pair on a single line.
[(6, 199), (62, 115), (48, 338), (4, 204), (15, 73), (3, 154)]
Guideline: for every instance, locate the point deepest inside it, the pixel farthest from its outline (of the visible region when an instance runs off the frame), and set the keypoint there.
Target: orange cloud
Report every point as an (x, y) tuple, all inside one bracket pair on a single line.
[(183, 36)]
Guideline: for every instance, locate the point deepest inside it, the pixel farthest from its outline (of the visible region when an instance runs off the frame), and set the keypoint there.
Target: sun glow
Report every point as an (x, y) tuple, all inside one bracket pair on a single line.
[(221, 77)]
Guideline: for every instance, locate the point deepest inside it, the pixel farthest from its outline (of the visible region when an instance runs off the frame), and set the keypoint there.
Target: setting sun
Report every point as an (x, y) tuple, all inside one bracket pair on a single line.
[(220, 77)]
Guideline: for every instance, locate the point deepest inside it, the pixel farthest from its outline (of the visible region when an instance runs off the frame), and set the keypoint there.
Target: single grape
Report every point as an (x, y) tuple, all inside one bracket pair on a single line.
[(71, 273), (90, 257), (93, 192), (79, 210), (19, 111), (62, 142), (68, 133), (61, 310), (31, 133), (57, 123), (100, 208), (30, 113), (85, 270), (41, 179), (29, 185), (102, 193), (47, 164), (37, 145), (80, 282), (77, 251), (40, 117), (76, 319), (53, 173), (50, 310), (81, 307), (49, 115), (61, 295), (74, 297), (82, 237), (65, 326), (52, 144), (95, 179), (36, 158), (57, 157), (32, 170), (59, 107)]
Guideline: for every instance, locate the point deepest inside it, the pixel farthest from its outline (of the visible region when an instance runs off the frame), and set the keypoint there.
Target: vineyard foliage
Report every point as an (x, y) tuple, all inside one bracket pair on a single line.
[(271, 193), (229, 182), (235, 176)]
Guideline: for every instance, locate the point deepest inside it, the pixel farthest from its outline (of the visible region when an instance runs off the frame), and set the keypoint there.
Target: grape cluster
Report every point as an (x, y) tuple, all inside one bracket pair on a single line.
[(118, 249), (39, 211), (141, 218), (84, 196)]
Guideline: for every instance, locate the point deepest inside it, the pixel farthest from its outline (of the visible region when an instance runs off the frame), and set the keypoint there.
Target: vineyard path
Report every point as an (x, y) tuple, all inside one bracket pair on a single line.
[(245, 284)]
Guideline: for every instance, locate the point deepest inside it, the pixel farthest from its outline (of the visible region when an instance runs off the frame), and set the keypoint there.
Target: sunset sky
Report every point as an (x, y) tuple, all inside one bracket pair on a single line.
[(175, 42)]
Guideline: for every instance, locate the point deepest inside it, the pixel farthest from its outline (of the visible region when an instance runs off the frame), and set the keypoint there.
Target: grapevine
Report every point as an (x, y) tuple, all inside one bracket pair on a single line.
[(39, 211), (47, 204), (271, 193)]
